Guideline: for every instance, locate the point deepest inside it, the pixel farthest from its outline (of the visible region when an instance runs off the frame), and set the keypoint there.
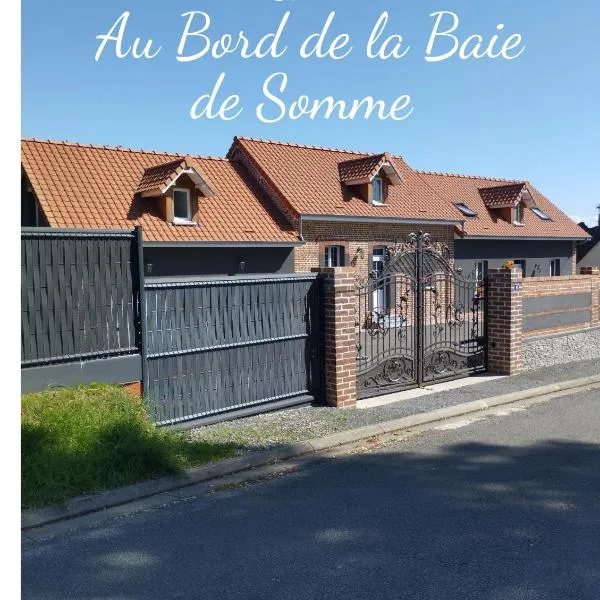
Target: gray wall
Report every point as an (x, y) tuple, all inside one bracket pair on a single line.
[(176, 261), (467, 252)]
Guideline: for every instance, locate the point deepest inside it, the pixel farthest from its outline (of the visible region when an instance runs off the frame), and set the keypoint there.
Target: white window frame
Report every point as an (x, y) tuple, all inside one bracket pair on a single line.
[(519, 220), (382, 188), (481, 269), (181, 220), (553, 262), (339, 251)]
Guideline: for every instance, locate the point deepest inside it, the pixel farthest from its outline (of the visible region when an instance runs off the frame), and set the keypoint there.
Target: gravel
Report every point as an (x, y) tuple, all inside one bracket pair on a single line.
[(563, 349), (292, 425)]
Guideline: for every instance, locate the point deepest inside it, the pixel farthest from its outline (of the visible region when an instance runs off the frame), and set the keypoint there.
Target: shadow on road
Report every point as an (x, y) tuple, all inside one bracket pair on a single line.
[(472, 521)]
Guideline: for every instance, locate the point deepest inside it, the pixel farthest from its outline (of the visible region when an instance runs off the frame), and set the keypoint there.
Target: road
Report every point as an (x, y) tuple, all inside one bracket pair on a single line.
[(506, 508)]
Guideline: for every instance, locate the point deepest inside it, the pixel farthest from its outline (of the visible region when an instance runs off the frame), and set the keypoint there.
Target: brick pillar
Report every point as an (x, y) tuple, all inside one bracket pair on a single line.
[(594, 273), (340, 336), (505, 321)]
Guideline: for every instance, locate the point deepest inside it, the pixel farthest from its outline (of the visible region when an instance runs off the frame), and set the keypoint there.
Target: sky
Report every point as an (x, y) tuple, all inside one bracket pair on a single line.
[(533, 118)]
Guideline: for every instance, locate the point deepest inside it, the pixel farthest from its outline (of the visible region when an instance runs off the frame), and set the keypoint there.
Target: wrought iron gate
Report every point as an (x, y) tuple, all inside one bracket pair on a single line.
[(419, 320)]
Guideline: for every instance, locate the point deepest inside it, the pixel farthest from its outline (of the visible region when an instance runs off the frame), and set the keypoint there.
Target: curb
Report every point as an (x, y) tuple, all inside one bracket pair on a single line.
[(83, 505)]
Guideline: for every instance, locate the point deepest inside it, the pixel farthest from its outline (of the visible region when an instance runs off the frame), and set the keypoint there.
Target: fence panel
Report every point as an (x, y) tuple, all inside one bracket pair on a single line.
[(79, 295), (219, 345)]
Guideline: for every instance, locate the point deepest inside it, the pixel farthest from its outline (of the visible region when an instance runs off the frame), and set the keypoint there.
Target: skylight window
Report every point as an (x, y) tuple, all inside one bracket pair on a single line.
[(465, 210), (541, 214)]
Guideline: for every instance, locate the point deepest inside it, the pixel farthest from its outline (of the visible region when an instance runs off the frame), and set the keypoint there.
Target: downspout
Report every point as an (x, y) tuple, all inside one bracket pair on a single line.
[(301, 236)]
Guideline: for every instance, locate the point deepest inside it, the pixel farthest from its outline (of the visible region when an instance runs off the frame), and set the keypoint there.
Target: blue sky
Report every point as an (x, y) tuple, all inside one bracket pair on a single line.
[(533, 118)]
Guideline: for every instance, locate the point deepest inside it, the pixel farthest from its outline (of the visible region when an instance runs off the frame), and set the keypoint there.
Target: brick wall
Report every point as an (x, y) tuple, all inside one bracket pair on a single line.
[(555, 305)]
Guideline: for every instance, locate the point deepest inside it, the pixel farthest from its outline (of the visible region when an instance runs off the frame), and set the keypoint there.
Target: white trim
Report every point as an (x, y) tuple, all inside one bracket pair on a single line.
[(196, 178), (181, 220)]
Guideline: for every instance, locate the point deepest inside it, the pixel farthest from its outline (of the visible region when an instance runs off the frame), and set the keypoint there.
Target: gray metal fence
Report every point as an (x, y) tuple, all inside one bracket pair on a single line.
[(79, 294), (202, 347), (219, 345)]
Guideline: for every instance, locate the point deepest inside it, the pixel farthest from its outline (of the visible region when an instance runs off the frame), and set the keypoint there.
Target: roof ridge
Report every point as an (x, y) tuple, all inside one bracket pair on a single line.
[(120, 148), (307, 146), (478, 177), (379, 155)]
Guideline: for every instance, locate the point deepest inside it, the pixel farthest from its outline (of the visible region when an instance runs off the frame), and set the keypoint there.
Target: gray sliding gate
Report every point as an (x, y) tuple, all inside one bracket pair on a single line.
[(218, 345)]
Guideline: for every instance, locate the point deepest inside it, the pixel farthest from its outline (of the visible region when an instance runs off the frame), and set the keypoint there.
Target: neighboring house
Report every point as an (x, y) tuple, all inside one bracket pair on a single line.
[(200, 216), (588, 254), (274, 207)]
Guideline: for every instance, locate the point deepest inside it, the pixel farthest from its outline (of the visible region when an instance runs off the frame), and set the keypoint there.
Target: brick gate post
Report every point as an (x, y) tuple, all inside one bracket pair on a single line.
[(505, 321), (340, 336)]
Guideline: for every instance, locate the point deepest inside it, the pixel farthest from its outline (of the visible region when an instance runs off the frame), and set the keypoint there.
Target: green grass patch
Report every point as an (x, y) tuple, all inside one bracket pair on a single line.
[(96, 437)]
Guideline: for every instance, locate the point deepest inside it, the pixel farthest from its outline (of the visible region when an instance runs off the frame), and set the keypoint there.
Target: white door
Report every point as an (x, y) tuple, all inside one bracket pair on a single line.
[(379, 293)]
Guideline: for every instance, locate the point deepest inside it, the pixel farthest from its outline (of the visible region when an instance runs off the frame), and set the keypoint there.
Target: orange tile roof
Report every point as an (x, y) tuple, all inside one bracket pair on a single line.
[(308, 179), (467, 189), (83, 186)]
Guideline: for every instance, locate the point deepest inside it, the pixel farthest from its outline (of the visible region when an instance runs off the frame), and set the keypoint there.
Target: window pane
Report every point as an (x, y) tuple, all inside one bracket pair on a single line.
[(180, 201), (334, 256), (377, 191)]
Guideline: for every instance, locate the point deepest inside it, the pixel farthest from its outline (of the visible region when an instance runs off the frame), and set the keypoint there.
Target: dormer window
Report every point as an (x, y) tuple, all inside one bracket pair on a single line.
[(377, 191), (182, 209), (370, 177), (164, 184)]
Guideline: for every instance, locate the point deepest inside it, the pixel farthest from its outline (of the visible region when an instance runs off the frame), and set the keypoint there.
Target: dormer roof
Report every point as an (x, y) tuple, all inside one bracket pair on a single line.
[(157, 179), (506, 196), (363, 170)]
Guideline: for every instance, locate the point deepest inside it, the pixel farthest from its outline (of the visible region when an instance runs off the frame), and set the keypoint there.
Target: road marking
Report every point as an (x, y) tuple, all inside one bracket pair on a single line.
[(456, 424), (506, 411)]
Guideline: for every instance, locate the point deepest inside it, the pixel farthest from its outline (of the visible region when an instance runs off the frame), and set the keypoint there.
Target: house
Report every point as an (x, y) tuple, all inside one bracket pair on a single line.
[(588, 253), (274, 207), (200, 215)]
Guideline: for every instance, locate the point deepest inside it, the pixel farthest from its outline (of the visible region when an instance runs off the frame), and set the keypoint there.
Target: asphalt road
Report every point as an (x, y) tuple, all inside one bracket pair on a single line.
[(505, 508)]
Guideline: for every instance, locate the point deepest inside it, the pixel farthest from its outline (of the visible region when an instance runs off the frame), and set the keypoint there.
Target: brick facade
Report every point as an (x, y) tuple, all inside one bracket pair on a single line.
[(505, 321), (359, 240)]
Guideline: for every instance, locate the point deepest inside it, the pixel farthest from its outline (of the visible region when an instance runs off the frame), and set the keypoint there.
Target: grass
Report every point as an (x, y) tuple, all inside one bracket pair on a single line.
[(96, 437)]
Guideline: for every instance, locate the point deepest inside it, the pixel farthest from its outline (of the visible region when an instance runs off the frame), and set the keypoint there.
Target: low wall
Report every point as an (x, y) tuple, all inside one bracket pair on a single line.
[(558, 305)]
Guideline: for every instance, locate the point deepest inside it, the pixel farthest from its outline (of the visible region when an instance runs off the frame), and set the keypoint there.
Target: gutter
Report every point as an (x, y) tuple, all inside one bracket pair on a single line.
[(528, 238), (388, 220), (222, 244)]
